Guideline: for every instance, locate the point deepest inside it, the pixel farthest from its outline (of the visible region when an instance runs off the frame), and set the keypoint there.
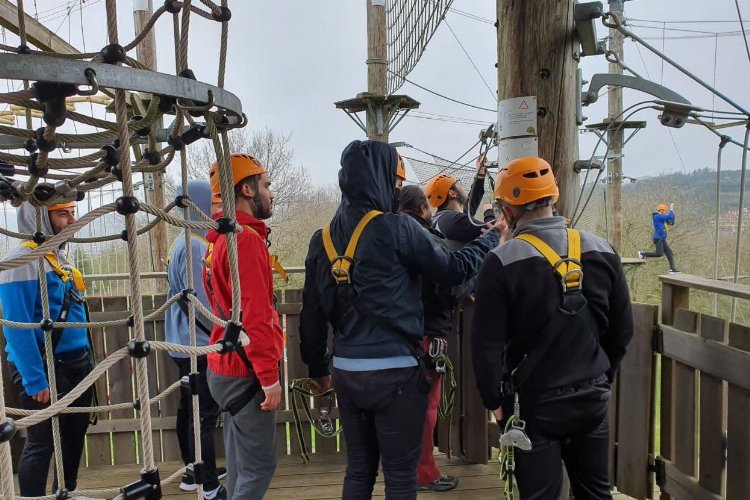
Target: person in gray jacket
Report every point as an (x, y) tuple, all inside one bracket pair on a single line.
[(177, 330)]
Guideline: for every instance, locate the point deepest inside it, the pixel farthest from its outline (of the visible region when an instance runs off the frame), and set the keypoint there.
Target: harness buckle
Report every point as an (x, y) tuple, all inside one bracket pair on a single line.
[(339, 272)]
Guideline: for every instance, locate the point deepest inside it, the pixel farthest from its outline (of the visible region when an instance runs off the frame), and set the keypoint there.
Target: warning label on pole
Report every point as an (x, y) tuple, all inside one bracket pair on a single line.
[(516, 117)]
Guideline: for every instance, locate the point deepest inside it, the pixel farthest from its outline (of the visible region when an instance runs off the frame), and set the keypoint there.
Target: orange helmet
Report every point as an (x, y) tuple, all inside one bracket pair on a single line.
[(526, 180), (243, 166), (400, 170), (61, 206), (213, 177), (437, 189), (662, 208)]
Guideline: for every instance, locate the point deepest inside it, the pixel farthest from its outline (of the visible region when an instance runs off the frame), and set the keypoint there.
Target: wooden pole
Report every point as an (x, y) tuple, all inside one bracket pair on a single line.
[(377, 65), (615, 138), (146, 54), (535, 58)]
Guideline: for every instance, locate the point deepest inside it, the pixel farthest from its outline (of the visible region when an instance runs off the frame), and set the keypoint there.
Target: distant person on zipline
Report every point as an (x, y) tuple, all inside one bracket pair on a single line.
[(663, 217)]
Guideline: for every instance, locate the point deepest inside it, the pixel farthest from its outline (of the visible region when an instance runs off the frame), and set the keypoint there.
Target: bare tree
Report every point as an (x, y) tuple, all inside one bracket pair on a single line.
[(273, 149)]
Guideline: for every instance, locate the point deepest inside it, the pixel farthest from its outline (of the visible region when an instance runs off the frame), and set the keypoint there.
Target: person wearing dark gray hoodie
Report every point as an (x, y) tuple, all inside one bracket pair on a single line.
[(177, 330), (21, 300)]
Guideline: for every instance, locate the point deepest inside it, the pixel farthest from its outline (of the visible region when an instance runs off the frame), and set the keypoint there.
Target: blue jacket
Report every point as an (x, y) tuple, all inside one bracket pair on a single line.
[(660, 224), (393, 251), (21, 301), (176, 326)]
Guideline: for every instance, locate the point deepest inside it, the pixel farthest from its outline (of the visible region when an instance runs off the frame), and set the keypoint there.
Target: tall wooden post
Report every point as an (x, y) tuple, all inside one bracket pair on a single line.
[(535, 58), (377, 65), (146, 54), (615, 138)]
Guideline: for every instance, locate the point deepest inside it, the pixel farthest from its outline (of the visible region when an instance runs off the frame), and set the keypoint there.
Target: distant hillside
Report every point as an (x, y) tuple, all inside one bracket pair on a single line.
[(700, 183)]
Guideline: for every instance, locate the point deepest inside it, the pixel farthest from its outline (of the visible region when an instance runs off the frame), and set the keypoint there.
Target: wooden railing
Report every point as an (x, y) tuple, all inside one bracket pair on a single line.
[(704, 396), (679, 415)]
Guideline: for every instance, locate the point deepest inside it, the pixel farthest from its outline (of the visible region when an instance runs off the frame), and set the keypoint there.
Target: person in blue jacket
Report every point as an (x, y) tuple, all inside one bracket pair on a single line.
[(377, 318), (21, 301), (177, 330), (662, 218)]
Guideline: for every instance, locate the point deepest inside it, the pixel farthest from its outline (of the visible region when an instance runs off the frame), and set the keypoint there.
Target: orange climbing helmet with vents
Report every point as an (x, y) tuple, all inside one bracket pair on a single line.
[(526, 180), (437, 189), (243, 166), (662, 208)]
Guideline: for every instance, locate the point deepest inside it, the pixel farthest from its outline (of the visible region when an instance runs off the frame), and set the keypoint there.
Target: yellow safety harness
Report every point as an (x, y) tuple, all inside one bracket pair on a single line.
[(569, 269), (192, 235), (570, 272), (275, 264), (65, 274), (341, 264)]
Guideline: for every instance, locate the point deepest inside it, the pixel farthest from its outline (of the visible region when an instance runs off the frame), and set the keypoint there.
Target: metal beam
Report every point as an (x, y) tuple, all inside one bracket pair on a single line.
[(36, 32)]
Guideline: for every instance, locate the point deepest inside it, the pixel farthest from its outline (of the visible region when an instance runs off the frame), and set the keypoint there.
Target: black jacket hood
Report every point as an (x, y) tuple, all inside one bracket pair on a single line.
[(367, 180)]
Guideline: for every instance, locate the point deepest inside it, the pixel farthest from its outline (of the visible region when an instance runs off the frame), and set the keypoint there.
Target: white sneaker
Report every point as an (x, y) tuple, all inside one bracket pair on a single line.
[(188, 479), (674, 271), (640, 255)]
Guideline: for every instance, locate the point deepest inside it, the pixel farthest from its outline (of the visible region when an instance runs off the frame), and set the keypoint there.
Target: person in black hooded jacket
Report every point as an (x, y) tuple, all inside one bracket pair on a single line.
[(378, 325)]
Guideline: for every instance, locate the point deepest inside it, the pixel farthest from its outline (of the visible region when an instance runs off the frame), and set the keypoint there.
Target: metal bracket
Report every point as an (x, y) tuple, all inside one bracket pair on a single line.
[(54, 69), (600, 80), (388, 111), (584, 15), (657, 339)]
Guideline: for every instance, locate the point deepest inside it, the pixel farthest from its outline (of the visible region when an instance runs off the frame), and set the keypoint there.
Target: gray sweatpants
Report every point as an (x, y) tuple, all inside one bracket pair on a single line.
[(249, 439)]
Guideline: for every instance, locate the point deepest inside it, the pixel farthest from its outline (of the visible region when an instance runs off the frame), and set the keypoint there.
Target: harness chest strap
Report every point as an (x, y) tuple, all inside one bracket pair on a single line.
[(61, 271), (341, 264), (569, 268), (275, 264)]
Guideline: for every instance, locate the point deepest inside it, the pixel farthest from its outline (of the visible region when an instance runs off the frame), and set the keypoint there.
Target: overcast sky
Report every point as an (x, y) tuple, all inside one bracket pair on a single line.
[(289, 60)]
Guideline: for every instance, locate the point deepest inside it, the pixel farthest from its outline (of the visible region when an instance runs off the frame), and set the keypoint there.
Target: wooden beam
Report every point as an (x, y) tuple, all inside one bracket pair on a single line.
[(737, 290), (714, 358), (36, 33)]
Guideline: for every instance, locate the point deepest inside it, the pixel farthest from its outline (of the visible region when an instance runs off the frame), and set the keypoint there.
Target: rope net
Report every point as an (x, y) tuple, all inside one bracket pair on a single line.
[(410, 25), (131, 145)]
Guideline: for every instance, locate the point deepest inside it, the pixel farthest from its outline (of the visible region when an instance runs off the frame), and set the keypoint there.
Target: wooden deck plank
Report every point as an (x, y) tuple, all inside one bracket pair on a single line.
[(320, 479)]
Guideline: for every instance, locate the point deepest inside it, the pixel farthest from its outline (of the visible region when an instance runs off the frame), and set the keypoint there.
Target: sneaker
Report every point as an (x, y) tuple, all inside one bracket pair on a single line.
[(221, 472), (444, 482), (219, 494), (640, 255), (674, 271), (188, 479)]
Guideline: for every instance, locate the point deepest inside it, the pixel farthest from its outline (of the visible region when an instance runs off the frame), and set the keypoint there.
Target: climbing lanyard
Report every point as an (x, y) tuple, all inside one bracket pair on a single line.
[(324, 426), (514, 436)]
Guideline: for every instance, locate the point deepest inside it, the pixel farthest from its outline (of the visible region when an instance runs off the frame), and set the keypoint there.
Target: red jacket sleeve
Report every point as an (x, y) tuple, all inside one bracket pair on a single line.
[(259, 318)]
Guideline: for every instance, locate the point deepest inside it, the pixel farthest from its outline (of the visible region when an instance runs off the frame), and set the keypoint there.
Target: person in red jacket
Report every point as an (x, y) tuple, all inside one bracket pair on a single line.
[(245, 382)]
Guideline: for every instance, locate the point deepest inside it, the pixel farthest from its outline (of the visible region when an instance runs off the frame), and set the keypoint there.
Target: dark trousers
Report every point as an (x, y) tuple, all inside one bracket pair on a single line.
[(209, 413), (567, 424), (33, 466), (382, 413), (662, 249)]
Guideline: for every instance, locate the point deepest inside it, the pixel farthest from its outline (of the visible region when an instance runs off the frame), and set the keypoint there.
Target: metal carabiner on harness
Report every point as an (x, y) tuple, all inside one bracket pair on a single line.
[(437, 350), (324, 421)]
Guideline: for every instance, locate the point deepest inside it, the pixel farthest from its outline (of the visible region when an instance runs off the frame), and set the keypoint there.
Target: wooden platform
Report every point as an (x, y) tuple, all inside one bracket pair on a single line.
[(320, 479)]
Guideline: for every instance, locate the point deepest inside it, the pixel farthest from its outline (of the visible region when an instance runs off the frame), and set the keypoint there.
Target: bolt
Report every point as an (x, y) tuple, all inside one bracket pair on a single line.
[(544, 74), (541, 112)]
